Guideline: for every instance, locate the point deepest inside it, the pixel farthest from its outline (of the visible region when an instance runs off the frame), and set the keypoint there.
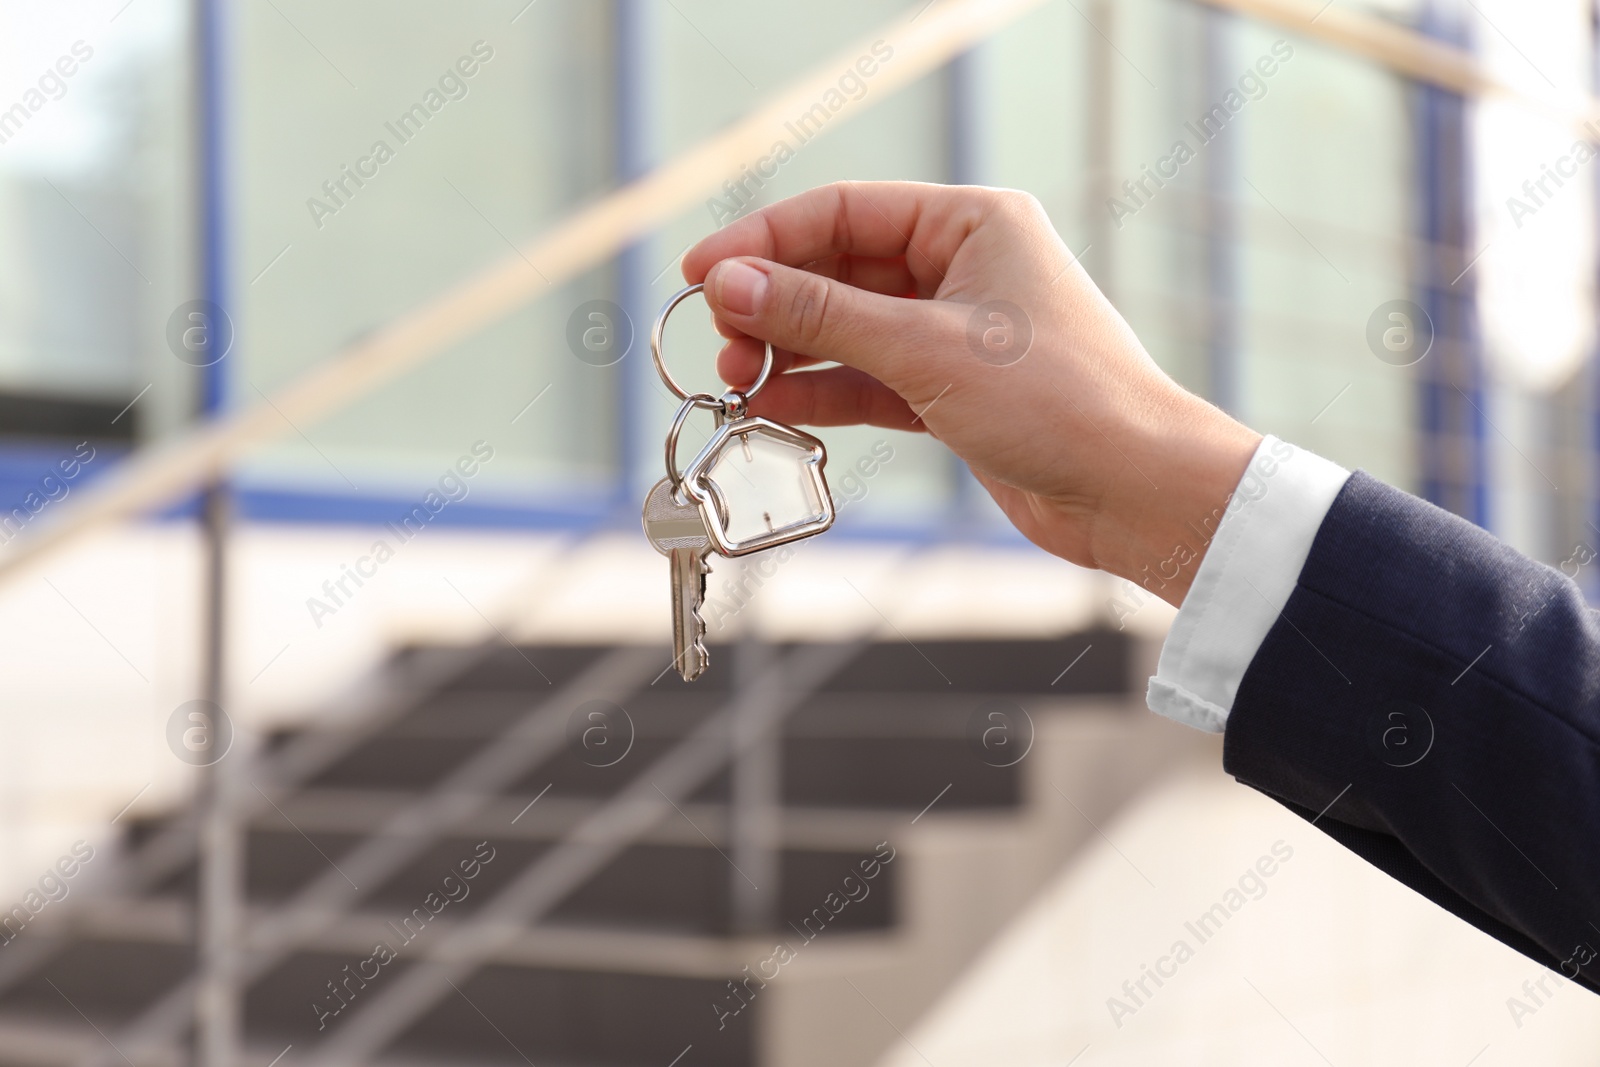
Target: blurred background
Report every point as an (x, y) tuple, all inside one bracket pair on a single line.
[(916, 812)]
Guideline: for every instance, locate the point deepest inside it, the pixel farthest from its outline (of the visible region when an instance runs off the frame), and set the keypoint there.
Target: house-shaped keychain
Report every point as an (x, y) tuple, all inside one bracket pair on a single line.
[(759, 484)]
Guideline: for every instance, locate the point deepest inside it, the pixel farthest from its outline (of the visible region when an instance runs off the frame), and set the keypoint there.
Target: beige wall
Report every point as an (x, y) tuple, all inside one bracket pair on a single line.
[(1334, 962)]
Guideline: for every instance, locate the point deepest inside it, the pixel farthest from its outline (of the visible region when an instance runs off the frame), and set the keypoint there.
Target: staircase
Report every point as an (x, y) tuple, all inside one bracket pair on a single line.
[(560, 855)]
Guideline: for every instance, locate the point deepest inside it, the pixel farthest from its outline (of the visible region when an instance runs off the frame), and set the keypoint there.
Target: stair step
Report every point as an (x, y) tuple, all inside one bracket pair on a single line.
[(109, 981), (531, 817), (839, 750), (993, 667), (566, 945), (501, 1013), (685, 888), (925, 666), (534, 668), (504, 1014)]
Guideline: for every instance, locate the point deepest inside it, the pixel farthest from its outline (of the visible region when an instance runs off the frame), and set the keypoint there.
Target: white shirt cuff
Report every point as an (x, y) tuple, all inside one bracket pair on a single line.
[(1249, 570)]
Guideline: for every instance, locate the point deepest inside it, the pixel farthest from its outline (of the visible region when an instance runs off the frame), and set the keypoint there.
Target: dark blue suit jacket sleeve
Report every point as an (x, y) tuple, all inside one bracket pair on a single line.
[(1431, 699)]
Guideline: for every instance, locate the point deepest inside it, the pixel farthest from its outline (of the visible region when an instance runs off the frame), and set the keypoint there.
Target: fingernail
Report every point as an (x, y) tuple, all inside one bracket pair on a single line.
[(741, 288)]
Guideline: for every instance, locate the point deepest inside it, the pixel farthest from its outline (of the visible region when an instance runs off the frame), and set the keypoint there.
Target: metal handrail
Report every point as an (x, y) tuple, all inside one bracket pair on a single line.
[(1415, 56)]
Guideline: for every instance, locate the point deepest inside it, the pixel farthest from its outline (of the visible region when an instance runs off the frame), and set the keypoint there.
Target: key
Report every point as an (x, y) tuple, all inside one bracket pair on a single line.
[(678, 531)]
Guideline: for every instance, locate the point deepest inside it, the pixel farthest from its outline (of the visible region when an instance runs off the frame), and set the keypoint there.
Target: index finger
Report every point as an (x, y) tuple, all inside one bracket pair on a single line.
[(925, 223)]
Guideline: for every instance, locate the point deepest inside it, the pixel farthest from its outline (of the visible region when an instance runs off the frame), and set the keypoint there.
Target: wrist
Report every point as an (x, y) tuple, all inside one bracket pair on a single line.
[(1155, 527)]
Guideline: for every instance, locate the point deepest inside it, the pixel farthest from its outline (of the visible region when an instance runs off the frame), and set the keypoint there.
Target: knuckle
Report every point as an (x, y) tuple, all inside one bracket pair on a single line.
[(1019, 203), (807, 314)]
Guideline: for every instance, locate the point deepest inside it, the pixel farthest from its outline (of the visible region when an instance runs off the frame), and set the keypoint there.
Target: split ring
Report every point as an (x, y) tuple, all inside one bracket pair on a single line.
[(690, 402), (659, 330)]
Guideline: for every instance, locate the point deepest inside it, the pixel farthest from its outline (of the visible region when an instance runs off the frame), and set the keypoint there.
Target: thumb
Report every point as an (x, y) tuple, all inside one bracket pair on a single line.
[(811, 315)]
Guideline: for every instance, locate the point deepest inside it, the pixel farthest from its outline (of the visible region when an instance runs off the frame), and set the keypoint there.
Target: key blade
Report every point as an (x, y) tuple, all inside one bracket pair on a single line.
[(689, 570), (678, 531)]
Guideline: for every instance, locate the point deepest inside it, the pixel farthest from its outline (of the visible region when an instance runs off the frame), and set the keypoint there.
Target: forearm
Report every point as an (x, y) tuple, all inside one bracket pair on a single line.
[(1435, 697)]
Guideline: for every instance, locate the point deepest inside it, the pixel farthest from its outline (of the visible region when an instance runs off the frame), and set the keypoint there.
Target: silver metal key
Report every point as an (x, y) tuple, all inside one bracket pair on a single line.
[(678, 531)]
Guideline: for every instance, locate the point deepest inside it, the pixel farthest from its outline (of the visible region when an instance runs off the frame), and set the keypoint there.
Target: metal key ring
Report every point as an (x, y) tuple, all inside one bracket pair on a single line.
[(690, 402), (678, 391)]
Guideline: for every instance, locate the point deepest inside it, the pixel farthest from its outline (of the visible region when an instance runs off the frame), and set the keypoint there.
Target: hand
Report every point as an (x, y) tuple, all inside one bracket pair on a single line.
[(1087, 446)]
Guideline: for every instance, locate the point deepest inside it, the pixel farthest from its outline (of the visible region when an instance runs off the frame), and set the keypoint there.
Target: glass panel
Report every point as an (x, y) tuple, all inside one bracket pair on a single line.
[(1324, 225), (382, 161), (93, 237), (715, 69)]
